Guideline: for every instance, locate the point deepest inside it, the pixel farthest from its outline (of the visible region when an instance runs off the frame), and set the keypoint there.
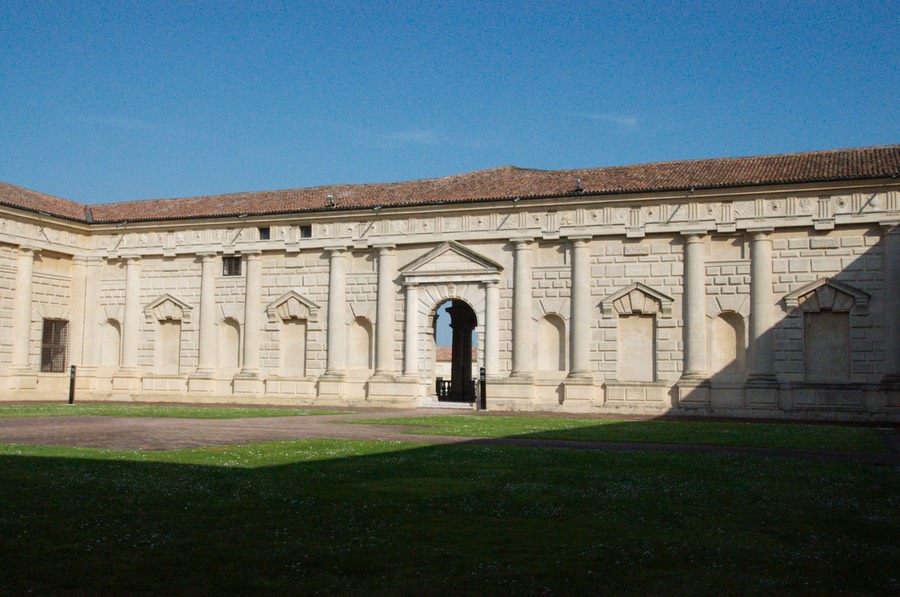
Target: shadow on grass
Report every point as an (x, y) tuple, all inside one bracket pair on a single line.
[(383, 517), (774, 436)]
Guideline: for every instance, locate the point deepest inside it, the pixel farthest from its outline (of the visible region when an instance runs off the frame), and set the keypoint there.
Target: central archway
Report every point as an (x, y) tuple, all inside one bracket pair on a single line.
[(462, 323)]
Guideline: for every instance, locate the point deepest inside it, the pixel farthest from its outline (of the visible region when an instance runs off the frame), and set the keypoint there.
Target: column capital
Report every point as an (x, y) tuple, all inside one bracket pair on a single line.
[(580, 240), (890, 227), (384, 248), (130, 258), (252, 253), (207, 255), (693, 236), (25, 248), (760, 233), (522, 242), (337, 249)]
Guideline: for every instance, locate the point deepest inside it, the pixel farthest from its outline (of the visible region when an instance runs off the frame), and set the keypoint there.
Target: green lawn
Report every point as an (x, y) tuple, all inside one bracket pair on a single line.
[(144, 410), (774, 435), (339, 517)]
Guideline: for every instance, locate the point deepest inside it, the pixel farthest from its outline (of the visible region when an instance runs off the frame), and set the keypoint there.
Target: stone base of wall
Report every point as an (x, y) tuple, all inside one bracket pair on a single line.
[(392, 391), (835, 402), (512, 394), (653, 395)]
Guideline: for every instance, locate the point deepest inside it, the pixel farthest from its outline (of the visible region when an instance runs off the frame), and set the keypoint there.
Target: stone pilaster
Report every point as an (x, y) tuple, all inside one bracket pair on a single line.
[(131, 326), (385, 364), (247, 381), (762, 386), (90, 345), (127, 378), (76, 311), (694, 382), (491, 329), (580, 319), (90, 350), (22, 372), (386, 387), (578, 387), (523, 349), (891, 310), (411, 333), (336, 359), (206, 346)]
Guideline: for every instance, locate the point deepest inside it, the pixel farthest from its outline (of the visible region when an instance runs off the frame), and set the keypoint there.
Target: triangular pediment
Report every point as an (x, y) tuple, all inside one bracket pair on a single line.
[(452, 258), (637, 299), (168, 308), (826, 294), (291, 305)]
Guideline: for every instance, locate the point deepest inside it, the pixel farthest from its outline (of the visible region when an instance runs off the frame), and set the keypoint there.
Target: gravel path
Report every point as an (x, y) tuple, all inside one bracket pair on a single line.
[(148, 433)]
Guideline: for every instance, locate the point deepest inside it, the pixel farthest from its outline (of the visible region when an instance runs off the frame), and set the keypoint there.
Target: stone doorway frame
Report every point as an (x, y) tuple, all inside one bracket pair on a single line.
[(461, 377), (449, 272)]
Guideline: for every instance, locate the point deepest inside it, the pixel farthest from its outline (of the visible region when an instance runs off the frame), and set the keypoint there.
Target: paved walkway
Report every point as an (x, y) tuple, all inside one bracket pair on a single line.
[(147, 433)]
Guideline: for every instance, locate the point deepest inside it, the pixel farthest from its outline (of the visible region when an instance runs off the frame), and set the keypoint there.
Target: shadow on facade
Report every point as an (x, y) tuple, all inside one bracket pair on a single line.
[(827, 351)]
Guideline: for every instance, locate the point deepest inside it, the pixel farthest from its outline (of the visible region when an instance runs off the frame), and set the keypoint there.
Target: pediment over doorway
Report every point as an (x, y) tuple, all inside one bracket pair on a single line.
[(637, 299), (827, 294), (451, 261), (291, 305), (167, 308)]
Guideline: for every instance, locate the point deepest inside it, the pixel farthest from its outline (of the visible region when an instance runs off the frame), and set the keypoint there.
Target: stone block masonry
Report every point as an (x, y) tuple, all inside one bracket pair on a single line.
[(753, 298)]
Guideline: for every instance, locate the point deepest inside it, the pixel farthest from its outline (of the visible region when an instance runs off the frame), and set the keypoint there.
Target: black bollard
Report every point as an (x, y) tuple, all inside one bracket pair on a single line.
[(482, 395), (72, 384)]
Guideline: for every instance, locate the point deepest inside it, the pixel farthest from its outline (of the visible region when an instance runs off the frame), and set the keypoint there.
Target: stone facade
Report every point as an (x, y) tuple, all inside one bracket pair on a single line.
[(766, 300)]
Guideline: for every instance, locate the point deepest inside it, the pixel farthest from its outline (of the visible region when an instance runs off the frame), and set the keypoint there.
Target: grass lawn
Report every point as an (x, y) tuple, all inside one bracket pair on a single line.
[(342, 517), (773, 435), (144, 410)]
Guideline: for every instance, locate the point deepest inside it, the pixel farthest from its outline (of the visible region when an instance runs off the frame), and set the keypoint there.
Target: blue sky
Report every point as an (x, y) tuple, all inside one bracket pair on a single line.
[(111, 101)]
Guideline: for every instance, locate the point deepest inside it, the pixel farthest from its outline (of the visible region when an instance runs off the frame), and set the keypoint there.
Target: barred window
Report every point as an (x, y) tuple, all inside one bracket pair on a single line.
[(305, 231), (231, 266), (265, 233), (54, 345)]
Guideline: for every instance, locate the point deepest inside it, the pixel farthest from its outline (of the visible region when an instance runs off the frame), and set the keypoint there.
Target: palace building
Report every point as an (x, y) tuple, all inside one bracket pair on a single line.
[(759, 286)]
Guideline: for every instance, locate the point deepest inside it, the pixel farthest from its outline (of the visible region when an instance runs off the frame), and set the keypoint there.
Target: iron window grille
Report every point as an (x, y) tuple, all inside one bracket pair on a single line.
[(54, 345), (231, 266)]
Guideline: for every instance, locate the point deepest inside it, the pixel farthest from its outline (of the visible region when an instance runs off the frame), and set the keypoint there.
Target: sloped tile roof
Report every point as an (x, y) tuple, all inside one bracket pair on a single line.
[(499, 183), (33, 201)]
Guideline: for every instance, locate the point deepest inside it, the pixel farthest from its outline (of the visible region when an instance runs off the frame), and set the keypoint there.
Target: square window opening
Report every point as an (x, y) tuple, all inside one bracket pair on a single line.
[(231, 266)]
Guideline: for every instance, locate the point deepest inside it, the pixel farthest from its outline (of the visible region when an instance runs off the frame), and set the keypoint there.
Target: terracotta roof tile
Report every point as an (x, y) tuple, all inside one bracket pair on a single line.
[(499, 183), (33, 201)]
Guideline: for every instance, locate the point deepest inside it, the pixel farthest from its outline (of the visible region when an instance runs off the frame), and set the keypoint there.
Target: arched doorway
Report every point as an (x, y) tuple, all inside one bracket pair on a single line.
[(462, 323)]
